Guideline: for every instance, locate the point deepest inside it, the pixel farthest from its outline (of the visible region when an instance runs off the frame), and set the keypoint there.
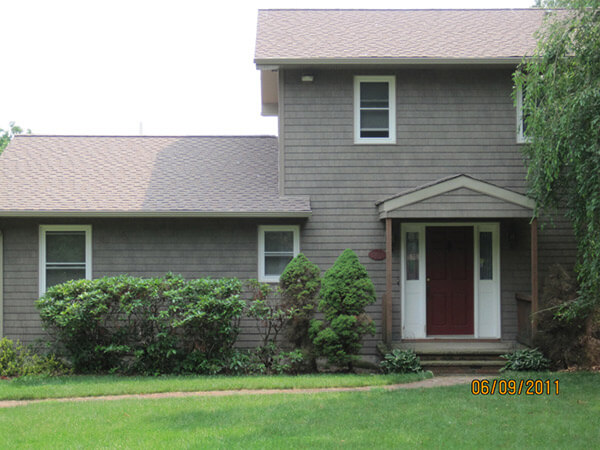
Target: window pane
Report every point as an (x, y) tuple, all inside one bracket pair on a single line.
[(374, 95), (275, 265), (412, 256), (370, 119), (65, 246), (60, 275), (485, 255), (279, 241)]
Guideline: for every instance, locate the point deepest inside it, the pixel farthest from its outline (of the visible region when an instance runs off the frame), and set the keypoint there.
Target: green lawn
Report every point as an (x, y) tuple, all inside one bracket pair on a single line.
[(86, 386), (445, 417)]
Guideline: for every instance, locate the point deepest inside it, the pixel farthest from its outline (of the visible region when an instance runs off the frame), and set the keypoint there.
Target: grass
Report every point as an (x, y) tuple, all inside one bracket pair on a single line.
[(445, 417), (85, 386)]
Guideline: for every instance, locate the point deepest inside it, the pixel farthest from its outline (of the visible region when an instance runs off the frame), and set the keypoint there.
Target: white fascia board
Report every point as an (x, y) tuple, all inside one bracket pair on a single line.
[(300, 214), (451, 185)]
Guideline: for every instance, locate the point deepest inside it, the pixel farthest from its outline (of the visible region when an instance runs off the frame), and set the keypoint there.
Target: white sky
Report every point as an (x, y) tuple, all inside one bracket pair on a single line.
[(178, 67)]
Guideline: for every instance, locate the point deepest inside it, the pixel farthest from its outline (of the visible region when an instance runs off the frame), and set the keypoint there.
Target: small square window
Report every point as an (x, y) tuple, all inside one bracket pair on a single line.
[(277, 246), (65, 254), (375, 110)]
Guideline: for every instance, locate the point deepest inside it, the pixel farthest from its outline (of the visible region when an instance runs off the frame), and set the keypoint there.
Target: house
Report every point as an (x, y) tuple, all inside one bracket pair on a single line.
[(398, 138)]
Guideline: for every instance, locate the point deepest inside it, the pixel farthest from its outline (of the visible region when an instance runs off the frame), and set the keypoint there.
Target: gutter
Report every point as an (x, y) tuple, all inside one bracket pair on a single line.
[(159, 214), (276, 63)]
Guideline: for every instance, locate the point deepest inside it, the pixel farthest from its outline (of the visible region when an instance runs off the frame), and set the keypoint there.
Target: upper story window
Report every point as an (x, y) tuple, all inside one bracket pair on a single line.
[(374, 110), (521, 125), (65, 254), (277, 246)]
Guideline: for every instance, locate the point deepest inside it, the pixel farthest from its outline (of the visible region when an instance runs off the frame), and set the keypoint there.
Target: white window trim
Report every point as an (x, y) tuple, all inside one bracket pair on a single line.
[(391, 80), (521, 138), (42, 250), (261, 248)]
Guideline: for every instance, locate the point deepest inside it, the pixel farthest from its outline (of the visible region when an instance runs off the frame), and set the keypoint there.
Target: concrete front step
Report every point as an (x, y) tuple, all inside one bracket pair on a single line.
[(438, 347), (469, 356), (441, 367)]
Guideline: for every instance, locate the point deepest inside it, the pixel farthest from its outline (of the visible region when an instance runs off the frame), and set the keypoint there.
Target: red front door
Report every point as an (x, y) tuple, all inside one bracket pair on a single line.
[(449, 261)]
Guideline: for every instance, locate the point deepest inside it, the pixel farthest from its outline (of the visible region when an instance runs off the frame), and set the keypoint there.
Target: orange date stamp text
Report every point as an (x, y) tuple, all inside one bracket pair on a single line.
[(514, 387)]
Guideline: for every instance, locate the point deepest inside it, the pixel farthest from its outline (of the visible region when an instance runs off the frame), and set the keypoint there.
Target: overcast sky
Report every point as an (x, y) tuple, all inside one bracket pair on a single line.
[(176, 67)]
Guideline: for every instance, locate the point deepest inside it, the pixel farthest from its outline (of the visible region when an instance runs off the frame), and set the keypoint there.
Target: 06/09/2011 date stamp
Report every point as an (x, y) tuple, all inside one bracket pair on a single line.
[(514, 387)]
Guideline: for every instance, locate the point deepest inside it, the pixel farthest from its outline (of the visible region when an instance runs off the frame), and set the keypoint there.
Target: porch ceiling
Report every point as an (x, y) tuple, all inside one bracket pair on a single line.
[(457, 197)]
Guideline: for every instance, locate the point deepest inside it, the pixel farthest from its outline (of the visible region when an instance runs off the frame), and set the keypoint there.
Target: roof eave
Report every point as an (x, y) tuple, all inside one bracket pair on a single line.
[(159, 214), (276, 63)]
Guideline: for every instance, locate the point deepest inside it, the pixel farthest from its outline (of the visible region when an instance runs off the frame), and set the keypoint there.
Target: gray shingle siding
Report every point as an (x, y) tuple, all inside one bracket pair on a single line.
[(448, 121), (139, 247)]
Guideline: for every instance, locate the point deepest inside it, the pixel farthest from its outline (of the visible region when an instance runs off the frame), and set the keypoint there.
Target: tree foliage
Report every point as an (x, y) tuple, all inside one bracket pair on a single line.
[(7, 135), (561, 106)]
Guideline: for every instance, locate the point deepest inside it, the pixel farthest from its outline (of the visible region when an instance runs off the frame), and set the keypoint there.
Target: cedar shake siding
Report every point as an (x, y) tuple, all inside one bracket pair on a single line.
[(448, 122), (193, 248)]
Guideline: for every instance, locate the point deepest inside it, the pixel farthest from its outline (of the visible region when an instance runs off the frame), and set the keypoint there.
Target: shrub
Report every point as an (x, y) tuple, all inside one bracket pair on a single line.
[(271, 317), (18, 361), (346, 290), (526, 360), (401, 361), (299, 284), (565, 341), (135, 325)]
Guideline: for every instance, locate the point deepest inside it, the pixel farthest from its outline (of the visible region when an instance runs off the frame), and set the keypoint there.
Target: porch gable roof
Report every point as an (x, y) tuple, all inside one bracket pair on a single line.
[(458, 196)]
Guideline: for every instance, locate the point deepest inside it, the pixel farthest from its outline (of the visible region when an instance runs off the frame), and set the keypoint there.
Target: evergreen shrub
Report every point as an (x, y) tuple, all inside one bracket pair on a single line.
[(346, 290)]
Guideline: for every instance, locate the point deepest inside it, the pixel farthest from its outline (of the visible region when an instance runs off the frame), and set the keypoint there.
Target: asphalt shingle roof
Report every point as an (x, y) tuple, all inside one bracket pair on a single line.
[(112, 174), (287, 35)]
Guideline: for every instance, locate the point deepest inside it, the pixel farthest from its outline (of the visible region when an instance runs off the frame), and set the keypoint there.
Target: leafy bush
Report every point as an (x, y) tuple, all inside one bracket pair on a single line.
[(401, 361), (346, 290), (526, 360), (250, 362), (567, 342), (299, 285), (271, 317), (18, 361), (135, 325)]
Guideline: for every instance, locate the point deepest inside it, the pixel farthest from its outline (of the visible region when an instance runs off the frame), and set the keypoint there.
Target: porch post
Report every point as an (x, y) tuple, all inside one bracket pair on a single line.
[(534, 275), (387, 303)]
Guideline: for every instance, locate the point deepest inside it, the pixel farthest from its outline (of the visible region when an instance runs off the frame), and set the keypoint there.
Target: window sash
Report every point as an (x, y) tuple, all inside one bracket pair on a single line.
[(57, 269), (270, 263), (375, 114)]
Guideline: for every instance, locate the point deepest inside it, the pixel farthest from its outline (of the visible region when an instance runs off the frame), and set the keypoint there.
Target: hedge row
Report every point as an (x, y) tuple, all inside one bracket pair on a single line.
[(136, 325)]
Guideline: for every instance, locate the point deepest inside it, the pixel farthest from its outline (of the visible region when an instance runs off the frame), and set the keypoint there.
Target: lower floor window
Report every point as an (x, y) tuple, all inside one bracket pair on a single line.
[(65, 254), (277, 246)]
